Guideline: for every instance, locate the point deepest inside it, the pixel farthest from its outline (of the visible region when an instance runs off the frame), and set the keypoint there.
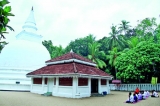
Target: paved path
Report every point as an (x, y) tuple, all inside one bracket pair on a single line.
[(116, 98)]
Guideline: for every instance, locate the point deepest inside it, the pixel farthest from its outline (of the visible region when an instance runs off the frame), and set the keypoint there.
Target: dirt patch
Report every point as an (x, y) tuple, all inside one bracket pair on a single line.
[(116, 98)]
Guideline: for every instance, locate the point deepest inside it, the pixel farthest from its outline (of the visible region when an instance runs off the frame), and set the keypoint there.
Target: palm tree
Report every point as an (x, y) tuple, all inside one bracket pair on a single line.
[(116, 40), (94, 54), (112, 58), (124, 27)]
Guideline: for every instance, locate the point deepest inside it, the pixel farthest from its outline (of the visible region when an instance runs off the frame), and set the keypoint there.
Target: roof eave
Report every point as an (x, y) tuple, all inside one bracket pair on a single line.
[(70, 75)]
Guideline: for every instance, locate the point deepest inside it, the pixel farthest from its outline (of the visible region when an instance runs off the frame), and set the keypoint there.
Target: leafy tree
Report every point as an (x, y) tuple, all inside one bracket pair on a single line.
[(57, 51), (49, 46), (94, 54), (80, 46), (104, 44), (146, 27), (133, 41), (137, 63), (5, 12), (54, 51)]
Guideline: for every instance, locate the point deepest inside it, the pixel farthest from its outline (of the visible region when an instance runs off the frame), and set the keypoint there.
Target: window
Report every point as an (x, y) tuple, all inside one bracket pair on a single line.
[(82, 81), (65, 81), (37, 80), (103, 81)]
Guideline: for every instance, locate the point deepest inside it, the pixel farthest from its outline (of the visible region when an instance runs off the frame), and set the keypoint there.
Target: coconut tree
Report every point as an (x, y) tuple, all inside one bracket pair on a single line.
[(112, 58), (124, 27), (115, 39), (94, 54)]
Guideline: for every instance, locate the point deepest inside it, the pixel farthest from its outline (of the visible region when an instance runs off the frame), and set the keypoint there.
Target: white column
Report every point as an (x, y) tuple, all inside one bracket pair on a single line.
[(108, 88), (89, 86), (57, 84), (31, 85), (43, 85), (74, 87), (99, 86)]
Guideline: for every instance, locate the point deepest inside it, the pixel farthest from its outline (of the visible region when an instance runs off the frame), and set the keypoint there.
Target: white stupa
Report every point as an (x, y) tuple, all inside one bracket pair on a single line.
[(22, 56)]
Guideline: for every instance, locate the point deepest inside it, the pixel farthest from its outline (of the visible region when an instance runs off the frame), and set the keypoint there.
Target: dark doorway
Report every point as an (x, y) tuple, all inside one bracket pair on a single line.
[(94, 85)]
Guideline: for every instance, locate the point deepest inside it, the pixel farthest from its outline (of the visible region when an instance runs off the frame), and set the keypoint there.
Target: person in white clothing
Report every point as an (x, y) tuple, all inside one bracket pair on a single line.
[(148, 94), (154, 94), (131, 98), (144, 95)]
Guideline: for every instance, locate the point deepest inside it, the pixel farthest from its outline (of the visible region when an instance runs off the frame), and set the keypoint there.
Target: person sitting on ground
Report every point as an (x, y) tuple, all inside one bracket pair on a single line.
[(144, 95), (137, 90), (154, 94), (148, 94), (140, 96), (135, 97), (130, 98)]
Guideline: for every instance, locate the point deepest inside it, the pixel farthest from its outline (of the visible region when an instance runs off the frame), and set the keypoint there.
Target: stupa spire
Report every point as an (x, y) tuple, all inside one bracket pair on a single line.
[(30, 23), (29, 31)]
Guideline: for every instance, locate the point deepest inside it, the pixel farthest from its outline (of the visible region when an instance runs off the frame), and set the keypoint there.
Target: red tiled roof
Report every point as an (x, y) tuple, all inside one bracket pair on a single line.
[(68, 56), (69, 68)]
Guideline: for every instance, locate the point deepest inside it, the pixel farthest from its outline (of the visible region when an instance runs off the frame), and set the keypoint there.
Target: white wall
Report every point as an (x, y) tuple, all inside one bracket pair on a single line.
[(103, 88), (74, 91), (8, 79), (18, 87)]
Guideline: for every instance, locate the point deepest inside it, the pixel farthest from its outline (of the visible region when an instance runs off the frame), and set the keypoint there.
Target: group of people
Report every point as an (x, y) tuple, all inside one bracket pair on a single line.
[(140, 95)]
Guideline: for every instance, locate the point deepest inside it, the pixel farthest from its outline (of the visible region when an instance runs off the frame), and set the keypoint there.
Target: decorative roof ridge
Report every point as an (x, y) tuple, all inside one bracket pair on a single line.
[(69, 61), (75, 69)]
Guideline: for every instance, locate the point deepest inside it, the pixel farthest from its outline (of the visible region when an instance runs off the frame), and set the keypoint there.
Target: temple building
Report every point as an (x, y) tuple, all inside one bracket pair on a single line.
[(22, 56), (69, 75)]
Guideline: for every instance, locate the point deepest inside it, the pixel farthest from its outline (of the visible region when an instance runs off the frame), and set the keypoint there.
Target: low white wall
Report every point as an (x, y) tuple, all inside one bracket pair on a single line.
[(37, 88), (63, 91), (15, 87), (83, 91), (104, 88), (132, 87)]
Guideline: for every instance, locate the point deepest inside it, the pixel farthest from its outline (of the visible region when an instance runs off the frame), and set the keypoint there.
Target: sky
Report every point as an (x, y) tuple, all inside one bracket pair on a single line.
[(63, 21)]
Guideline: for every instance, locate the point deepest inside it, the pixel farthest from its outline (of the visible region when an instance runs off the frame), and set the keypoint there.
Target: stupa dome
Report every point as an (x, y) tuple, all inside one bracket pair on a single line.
[(25, 54)]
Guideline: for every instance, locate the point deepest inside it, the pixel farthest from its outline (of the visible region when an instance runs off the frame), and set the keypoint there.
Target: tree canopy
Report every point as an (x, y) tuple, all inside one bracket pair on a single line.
[(131, 54)]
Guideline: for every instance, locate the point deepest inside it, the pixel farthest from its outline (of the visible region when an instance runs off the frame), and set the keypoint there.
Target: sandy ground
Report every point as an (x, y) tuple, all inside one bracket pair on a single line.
[(116, 98)]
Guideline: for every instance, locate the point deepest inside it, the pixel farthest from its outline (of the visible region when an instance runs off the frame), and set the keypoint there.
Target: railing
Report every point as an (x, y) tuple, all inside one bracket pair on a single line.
[(132, 87)]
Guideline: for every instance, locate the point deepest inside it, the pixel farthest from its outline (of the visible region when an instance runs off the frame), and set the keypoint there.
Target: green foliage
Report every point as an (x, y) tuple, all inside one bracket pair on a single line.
[(138, 61), (130, 54), (115, 39), (94, 54), (80, 45), (2, 44), (5, 12), (54, 51)]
